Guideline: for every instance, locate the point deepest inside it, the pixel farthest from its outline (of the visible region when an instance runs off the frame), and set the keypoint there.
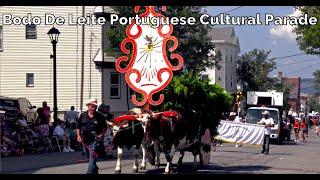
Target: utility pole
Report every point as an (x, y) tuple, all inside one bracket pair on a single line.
[(82, 62)]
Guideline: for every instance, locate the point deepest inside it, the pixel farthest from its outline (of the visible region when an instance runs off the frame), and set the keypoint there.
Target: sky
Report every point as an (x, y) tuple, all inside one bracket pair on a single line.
[(279, 39)]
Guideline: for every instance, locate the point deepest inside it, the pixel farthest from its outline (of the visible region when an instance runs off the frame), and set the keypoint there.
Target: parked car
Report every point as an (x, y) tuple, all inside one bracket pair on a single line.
[(10, 106)]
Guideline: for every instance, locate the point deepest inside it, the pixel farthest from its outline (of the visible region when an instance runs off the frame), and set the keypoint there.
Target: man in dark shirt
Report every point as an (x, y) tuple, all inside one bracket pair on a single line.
[(90, 129)]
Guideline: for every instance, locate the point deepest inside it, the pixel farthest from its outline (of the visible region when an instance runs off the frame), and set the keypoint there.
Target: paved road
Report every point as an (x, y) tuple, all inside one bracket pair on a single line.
[(301, 158)]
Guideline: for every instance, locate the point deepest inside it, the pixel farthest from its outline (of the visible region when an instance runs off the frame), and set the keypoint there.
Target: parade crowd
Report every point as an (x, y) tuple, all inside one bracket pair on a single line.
[(44, 134), (295, 123)]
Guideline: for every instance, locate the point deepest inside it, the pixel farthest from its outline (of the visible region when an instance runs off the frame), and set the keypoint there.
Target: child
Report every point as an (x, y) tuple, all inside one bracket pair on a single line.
[(303, 127), (296, 128)]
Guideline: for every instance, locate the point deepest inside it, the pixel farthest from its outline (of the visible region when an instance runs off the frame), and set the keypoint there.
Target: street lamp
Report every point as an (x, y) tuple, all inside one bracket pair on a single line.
[(54, 35)]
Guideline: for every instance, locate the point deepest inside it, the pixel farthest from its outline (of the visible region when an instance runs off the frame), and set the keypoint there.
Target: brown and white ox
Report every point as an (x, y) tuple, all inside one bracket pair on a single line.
[(128, 131), (171, 132)]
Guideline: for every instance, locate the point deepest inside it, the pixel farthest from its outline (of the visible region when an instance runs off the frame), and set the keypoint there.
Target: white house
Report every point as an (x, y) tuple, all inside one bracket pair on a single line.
[(227, 43), (26, 69)]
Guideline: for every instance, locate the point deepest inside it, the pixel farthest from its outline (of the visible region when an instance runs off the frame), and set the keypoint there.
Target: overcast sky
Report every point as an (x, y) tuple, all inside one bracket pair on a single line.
[(279, 39)]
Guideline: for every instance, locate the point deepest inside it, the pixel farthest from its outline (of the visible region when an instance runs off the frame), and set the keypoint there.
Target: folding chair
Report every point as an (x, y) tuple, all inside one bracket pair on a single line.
[(47, 140), (56, 140)]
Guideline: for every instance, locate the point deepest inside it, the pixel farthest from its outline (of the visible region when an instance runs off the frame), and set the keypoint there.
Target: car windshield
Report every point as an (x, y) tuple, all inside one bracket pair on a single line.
[(8, 103), (255, 115)]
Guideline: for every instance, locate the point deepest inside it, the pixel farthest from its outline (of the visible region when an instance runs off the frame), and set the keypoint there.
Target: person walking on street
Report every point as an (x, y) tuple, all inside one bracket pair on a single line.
[(318, 129), (304, 128), (90, 129), (268, 122), (296, 128), (237, 119)]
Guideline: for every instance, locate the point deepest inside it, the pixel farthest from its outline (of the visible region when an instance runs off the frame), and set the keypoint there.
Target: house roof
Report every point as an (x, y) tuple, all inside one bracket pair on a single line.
[(104, 9), (219, 34)]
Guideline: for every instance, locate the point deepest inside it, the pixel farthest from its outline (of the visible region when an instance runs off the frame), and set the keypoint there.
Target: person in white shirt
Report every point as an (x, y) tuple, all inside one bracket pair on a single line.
[(237, 119), (268, 123), (60, 132), (71, 116)]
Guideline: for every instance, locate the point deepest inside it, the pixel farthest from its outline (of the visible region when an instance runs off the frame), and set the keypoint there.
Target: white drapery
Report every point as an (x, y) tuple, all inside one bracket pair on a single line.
[(244, 133)]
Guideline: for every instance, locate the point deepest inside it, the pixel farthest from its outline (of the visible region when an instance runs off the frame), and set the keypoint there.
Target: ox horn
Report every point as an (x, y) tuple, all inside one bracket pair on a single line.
[(169, 114), (125, 118), (109, 123)]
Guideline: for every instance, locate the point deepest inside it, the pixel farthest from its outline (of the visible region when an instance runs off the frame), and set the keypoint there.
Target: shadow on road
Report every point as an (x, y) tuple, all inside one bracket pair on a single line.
[(187, 168)]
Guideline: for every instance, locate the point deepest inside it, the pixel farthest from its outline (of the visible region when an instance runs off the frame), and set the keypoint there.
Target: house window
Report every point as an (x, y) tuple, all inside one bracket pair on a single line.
[(1, 38), (31, 31), (204, 76), (29, 80), (231, 58), (219, 79), (226, 59), (115, 85), (132, 92)]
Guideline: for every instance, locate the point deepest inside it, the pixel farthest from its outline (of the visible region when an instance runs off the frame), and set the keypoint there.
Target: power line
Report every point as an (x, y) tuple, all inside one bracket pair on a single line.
[(303, 68), (297, 62), (233, 9), (282, 57), (229, 10)]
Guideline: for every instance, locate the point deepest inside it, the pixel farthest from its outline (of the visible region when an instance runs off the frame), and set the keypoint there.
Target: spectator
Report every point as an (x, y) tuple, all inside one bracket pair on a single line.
[(296, 128), (232, 116), (304, 128), (21, 140), (317, 128), (62, 135), (105, 110), (71, 116), (73, 135), (43, 120), (44, 113)]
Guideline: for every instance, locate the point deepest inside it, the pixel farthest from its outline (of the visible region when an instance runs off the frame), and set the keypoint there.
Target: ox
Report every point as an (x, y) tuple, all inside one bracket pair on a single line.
[(128, 131), (171, 132)]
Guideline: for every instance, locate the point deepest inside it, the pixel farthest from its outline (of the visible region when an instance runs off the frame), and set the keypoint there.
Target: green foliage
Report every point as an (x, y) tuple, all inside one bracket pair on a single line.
[(188, 91), (254, 68), (285, 88), (308, 36), (314, 104)]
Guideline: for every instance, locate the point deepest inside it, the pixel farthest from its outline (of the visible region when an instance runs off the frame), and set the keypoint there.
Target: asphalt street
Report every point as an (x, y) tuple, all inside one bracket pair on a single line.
[(290, 157)]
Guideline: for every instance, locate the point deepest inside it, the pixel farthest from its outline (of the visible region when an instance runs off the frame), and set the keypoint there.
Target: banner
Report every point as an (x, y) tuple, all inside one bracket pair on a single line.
[(241, 133)]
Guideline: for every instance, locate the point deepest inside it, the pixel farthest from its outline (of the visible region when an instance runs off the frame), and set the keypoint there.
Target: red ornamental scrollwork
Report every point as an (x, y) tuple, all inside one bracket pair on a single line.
[(148, 70)]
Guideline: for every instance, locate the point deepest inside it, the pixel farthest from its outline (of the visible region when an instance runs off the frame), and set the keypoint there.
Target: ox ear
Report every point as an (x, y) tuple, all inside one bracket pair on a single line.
[(156, 115)]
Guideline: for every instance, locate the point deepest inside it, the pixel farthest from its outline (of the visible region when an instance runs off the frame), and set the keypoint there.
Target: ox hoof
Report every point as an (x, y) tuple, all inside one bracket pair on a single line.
[(143, 167), (157, 165), (170, 172), (135, 170), (117, 171)]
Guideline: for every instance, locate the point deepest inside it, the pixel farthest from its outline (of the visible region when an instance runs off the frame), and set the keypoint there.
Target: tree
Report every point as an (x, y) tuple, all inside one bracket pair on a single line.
[(194, 44), (316, 75), (190, 92), (285, 88), (308, 36), (314, 104), (253, 70)]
